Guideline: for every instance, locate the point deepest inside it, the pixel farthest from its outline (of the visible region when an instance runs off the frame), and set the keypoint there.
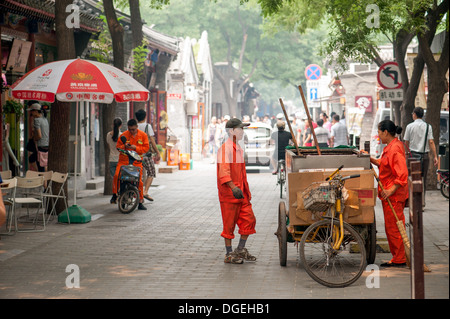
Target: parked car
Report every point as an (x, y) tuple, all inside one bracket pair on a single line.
[(258, 149), (376, 147)]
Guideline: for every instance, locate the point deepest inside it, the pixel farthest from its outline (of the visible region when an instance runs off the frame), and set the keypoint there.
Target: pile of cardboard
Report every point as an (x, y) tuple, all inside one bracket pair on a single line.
[(358, 206)]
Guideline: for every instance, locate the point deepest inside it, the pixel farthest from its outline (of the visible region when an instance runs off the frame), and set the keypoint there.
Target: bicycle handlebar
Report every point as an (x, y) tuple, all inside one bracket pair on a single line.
[(351, 176), (334, 173)]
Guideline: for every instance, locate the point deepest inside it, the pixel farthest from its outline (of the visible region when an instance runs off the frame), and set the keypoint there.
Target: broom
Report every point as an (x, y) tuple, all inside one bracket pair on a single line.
[(401, 228)]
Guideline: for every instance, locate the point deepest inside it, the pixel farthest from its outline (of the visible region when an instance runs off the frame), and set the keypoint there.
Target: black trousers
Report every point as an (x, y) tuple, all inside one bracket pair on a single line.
[(424, 167)]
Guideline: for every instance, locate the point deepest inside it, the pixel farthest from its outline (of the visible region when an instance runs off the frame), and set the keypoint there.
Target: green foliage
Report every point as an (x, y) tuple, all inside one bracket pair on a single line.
[(281, 55), (12, 106), (139, 57), (351, 36)]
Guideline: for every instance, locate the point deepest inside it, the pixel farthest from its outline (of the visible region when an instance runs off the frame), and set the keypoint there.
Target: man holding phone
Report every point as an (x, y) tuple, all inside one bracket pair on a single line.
[(137, 141)]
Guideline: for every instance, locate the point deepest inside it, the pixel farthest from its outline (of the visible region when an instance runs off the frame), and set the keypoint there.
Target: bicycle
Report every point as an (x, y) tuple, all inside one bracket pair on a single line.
[(281, 176), (443, 181), (331, 250)]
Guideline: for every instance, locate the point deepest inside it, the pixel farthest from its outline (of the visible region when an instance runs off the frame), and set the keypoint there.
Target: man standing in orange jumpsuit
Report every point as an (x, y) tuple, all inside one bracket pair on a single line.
[(138, 142), (393, 175), (234, 193)]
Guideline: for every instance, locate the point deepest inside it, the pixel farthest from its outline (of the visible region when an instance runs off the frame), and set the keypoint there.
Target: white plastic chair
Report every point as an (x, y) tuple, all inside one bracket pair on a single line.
[(6, 174), (47, 176), (60, 179), (31, 191), (8, 189)]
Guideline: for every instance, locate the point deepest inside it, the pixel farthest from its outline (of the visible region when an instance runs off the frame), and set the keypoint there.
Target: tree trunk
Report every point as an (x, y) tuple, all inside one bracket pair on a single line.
[(109, 111), (137, 37), (58, 153), (437, 81)]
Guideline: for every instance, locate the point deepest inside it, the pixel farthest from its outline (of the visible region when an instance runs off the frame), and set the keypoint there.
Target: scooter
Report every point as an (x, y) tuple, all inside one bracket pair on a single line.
[(128, 180), (443, 180)]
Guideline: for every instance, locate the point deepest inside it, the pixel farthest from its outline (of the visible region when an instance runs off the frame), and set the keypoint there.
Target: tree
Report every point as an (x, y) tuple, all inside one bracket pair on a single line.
[(109, 110), (238, 37), (60, 118), (353, 38), (137, 46)]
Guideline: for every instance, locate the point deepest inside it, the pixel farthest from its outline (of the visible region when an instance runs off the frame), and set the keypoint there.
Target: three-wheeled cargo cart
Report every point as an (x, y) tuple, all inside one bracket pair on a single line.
[(329, 213)]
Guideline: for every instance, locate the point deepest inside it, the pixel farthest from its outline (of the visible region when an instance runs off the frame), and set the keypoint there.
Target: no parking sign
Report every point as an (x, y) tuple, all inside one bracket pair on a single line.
[(313, 72)]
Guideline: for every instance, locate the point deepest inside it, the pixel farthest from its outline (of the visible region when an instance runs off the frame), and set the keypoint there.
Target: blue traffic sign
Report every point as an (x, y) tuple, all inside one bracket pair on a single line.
[(313, 72), (313, 93)]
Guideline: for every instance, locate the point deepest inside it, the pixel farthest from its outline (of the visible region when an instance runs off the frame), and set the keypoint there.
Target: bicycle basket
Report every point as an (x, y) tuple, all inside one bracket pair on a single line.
[(319, 197), (129, 173)]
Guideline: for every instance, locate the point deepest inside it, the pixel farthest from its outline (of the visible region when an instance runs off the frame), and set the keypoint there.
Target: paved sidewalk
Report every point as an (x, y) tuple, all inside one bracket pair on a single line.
[(174, 250)]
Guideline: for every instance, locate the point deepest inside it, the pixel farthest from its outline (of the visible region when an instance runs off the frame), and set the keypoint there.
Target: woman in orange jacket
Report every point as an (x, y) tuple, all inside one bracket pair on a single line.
[(393, 175)]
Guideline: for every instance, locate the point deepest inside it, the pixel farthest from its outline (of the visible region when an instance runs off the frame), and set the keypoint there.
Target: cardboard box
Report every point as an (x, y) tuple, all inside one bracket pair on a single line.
[(361, 189)]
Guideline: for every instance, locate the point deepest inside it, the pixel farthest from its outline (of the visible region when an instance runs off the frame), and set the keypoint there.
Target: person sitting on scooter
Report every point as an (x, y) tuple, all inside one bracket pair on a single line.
[(138, 142)]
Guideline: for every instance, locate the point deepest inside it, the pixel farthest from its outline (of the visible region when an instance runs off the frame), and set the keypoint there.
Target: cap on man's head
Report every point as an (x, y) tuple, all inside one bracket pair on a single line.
[(226, 117), (280, 115), (235, 123), (34, 106)]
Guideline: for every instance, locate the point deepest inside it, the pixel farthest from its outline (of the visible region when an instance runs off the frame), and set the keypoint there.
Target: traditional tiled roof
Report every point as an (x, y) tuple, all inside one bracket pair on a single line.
[(44, 11)]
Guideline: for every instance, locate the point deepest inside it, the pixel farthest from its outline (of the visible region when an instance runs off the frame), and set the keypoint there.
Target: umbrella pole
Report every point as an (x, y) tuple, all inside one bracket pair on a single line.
[(76, 155), (77, 214)]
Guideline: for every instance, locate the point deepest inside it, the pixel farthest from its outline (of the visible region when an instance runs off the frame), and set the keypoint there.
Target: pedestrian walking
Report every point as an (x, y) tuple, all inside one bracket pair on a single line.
[(41, 132), (147, 159), (234, 194), (212, 131), (111, 140), (326, 123), (307, 136), (138, 142), (339, 133), (393, 175), (281, 139), (419, 143), (322, 134)]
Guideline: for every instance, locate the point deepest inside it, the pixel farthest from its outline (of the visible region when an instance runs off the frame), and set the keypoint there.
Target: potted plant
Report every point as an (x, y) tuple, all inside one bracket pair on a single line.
[(13, 107)]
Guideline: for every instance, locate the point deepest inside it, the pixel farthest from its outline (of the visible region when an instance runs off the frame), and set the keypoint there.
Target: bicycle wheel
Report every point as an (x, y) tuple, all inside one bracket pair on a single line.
[(281, 178), (282, 233), (444, 189), (330, 267)]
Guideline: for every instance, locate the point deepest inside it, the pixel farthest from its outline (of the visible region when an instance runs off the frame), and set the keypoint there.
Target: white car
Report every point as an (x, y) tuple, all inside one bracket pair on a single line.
[(258, 149)]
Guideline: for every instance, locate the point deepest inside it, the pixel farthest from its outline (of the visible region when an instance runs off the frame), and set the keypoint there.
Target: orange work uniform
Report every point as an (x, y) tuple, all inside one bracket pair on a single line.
[(393, 170), (231, 167), (142, 147)]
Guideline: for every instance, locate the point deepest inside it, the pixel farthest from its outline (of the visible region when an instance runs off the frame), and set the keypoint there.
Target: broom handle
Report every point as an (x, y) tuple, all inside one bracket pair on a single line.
[(382, 188), (290, 128), (309, 120)]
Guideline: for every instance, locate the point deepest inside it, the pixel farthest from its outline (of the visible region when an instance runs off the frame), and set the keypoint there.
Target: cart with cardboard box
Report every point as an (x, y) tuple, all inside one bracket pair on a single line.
[(308, 217)]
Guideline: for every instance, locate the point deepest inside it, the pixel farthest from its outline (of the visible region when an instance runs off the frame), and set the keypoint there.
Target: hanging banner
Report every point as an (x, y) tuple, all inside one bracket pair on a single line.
[(354, 120)]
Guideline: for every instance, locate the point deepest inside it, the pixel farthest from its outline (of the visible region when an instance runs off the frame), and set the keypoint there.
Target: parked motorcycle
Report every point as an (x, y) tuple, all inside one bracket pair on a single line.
[(128, 180), (443, 180)]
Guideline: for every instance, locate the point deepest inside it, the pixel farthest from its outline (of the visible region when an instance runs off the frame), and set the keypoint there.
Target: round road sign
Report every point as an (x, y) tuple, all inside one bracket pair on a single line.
[(313, 72), (388, 76)]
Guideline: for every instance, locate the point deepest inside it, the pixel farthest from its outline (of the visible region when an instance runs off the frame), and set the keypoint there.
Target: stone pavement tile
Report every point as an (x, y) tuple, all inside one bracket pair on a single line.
[(174, 250)]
